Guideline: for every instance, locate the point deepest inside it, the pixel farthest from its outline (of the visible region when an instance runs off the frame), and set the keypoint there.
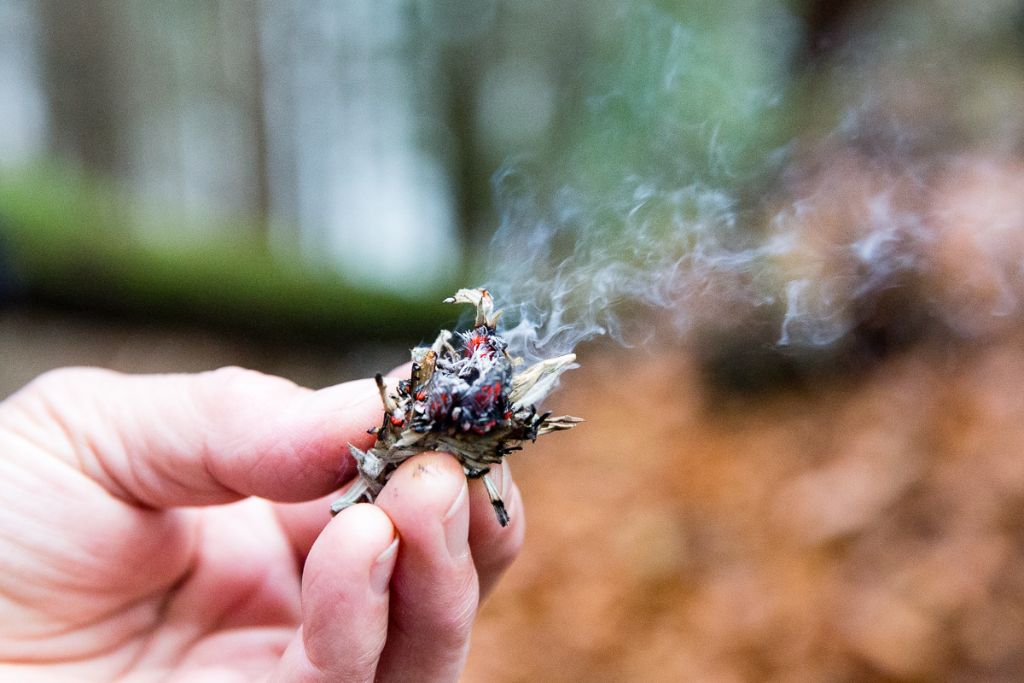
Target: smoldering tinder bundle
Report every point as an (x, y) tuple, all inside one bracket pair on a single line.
[(466, 396)]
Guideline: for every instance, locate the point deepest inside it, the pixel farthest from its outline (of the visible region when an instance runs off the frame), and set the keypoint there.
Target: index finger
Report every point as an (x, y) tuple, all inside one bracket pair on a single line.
[(215, 437)]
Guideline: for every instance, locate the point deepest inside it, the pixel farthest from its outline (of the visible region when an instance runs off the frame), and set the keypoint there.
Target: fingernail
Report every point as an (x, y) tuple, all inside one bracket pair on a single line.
[(383, 567), (456, 525)]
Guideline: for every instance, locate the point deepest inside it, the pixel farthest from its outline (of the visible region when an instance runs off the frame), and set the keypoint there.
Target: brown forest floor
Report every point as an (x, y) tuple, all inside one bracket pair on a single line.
[(862, 528)]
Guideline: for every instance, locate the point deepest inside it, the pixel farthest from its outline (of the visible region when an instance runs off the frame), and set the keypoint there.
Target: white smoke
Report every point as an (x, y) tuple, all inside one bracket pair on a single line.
[(693, 222)]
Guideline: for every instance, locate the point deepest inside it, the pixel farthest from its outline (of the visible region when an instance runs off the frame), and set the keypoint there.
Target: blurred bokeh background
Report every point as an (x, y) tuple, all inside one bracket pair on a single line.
[(806, 218)]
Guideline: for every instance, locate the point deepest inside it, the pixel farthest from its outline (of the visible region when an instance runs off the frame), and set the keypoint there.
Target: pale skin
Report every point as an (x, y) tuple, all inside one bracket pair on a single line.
[(176, 528)]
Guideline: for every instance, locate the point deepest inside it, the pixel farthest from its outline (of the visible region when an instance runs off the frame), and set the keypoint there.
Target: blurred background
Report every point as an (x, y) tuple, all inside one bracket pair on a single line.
[(805, 218)]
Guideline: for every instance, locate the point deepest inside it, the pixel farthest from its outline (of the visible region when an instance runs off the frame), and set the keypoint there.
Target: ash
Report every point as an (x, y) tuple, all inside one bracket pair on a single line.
[(465, 396)]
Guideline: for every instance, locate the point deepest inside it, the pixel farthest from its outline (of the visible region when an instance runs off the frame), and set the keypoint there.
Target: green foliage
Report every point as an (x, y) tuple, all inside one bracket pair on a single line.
[(77, 242)]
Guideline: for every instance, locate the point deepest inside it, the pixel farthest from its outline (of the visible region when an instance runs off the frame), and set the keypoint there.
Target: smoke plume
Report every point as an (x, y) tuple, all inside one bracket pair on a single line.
[(701, 188)]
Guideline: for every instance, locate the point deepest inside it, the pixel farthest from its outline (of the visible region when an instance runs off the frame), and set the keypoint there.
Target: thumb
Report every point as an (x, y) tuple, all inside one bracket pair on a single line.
[(214, 437), (345, 600)]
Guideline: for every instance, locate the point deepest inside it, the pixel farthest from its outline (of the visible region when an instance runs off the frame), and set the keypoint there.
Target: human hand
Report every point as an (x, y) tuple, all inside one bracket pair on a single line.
[(138, 540)]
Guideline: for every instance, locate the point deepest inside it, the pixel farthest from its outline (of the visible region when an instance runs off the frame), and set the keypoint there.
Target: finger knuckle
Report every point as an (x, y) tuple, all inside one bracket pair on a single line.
[(233, 377), (62, 380), (231, 386)]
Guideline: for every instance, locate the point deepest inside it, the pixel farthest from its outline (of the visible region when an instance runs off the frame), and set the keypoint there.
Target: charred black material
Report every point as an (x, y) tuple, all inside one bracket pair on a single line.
[(468, 390), (464, 397)]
